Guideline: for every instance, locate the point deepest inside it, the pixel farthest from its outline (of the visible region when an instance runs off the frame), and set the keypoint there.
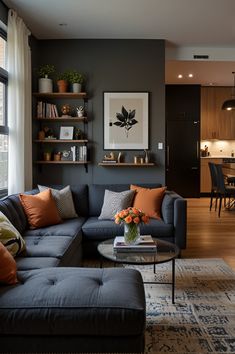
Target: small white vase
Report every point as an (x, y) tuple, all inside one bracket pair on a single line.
[(45, 85), (77, 88)]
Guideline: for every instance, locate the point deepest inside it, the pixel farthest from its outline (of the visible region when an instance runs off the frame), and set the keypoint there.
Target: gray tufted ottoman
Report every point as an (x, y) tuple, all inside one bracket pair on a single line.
[(73, 310)]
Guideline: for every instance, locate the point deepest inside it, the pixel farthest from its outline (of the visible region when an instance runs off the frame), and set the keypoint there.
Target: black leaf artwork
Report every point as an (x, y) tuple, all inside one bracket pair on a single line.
[(126, 119)]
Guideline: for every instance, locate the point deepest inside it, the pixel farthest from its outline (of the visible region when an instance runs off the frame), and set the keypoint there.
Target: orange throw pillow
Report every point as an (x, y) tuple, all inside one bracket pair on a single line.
[(40, 209), (7, 267), (149, 200)]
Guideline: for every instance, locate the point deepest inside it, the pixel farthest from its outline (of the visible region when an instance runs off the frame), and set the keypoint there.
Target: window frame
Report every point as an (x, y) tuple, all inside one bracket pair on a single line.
[(4, 129)]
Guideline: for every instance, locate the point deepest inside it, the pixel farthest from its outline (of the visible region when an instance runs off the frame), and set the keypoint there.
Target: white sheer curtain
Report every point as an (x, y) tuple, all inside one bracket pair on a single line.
[(19, 105)]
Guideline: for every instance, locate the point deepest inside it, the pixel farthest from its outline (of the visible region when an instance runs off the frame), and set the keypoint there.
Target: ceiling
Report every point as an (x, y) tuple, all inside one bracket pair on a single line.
[(199, 23)]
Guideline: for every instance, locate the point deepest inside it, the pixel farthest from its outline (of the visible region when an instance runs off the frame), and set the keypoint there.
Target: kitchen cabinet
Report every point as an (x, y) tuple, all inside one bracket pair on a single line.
[(216, 123), (205, 184)]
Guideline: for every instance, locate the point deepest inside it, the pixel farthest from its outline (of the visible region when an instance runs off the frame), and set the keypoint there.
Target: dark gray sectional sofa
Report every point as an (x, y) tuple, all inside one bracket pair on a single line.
[(78, 309)]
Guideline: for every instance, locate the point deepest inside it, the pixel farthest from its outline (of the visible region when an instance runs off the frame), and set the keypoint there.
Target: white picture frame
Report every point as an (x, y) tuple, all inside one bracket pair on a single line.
[(126, 120), (66, 133)]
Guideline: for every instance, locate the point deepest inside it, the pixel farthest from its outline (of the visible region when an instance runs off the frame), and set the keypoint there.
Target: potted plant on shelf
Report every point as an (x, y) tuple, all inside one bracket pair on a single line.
[(76, 79), (45, 83), (63, 81)]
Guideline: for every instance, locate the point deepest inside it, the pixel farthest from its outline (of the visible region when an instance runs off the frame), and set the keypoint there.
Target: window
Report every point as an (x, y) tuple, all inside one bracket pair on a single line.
[(3, 117)]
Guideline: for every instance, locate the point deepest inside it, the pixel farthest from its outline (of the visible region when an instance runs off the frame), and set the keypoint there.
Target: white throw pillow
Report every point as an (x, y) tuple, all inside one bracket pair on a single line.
[(64, 201), (10, 237), (115, 202)]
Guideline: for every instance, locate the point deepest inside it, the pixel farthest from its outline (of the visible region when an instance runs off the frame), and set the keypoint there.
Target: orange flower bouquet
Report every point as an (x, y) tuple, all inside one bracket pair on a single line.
[(132, 218)]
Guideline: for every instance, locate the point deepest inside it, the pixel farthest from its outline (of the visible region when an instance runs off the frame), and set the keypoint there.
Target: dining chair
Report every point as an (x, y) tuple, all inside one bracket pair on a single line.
[(214, 193), (223, 190)]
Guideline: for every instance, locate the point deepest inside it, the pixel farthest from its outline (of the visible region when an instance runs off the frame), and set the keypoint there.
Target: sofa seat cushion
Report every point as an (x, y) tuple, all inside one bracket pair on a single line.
[(74, 301), (69, 227), (29, 263), (94, 229), (47, 246)]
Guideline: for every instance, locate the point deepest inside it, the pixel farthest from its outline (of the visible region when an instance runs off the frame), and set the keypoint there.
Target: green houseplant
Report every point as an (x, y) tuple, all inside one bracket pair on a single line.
[(63, 81), (76, 79), (45, 83)]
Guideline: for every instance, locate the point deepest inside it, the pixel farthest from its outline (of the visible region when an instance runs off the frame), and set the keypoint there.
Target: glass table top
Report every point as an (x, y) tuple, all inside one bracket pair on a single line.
[(165, 252)]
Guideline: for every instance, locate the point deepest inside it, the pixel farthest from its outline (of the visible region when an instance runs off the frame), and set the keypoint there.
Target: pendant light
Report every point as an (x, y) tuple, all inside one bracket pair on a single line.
[(229, 105)]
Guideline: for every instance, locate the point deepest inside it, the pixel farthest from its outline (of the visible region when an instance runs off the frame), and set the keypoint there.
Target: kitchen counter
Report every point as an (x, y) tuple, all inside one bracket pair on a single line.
[(216, 157)]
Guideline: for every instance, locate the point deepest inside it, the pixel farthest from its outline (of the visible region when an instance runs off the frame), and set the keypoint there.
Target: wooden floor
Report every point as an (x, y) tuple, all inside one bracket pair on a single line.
[(208, 235)]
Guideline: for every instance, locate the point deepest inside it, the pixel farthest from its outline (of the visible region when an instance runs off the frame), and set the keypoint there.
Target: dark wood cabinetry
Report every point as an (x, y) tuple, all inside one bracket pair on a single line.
[(183, 139)]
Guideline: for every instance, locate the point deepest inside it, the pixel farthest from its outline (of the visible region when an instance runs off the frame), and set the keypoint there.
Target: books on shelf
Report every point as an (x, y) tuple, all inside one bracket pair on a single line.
[(145, 244), (46, 110)]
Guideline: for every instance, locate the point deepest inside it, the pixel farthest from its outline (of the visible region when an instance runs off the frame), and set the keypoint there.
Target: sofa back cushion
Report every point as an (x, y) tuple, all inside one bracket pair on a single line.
[(80, 197), (96, 194), (12, 208)]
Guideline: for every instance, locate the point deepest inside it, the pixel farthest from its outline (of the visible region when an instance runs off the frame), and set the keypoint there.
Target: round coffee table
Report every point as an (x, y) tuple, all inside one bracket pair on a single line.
[(165, 252)]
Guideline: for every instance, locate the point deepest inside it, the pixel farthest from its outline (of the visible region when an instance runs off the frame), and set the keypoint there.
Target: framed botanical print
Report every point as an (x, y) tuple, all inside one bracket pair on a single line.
[(126, 120)]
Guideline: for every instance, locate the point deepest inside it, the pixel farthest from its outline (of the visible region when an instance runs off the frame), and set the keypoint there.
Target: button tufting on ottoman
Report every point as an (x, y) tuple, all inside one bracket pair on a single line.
[(98, 310)]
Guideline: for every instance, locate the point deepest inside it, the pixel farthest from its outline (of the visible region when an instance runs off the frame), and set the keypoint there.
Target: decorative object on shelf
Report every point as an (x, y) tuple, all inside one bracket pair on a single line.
[(128, 111), (80, 111), (66, 155), (45, 83), (41, 135), (48, 133), (119, 157), (66, 109), (66, 133), (146, 157), (47, 156), (136, 159), (57, 156), (132, 218), (63, 81), (76, 79), (110, 157), (229, 105), (142, 160), (77, 134)]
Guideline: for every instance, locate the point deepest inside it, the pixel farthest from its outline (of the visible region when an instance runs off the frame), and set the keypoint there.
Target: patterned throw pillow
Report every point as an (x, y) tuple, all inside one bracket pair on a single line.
[(10, 237), (7, 267), (64, 201), (115, 202)]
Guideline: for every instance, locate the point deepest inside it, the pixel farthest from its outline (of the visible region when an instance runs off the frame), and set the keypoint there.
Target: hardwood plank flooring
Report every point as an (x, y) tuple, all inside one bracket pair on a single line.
[(209, 236)]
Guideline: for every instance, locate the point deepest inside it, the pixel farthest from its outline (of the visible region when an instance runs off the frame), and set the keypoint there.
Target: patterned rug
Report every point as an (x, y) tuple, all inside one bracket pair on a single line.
[(202, 320)]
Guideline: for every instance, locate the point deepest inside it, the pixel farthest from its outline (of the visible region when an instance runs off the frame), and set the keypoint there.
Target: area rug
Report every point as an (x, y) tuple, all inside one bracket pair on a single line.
[(202, 320)]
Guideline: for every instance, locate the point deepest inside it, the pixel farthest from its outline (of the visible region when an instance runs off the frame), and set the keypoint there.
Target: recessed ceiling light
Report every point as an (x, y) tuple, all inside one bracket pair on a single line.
[(190, 75), (180, 76)]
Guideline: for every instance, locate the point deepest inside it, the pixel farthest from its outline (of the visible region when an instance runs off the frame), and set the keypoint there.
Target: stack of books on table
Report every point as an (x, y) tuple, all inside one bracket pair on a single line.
[(145, 244)]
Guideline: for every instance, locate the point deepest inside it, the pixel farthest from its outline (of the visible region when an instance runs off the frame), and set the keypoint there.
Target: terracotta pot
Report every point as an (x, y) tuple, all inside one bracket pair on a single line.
[(62, 85)]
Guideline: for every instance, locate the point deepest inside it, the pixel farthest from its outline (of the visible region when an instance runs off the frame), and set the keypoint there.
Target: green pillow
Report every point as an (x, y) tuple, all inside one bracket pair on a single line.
[(10, 237)]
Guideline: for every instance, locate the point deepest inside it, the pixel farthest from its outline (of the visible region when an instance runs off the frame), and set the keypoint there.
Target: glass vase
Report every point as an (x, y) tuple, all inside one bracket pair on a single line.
[(131, 233)]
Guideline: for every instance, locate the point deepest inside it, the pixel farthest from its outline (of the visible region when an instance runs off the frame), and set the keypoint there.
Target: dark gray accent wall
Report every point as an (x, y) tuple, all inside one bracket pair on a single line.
[(111, 65)]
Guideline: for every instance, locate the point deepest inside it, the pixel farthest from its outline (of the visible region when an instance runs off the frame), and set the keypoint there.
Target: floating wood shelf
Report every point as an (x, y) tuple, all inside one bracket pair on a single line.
[(126, 164), (60, 162), (63, 119), (58, 141), (81, 95)]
